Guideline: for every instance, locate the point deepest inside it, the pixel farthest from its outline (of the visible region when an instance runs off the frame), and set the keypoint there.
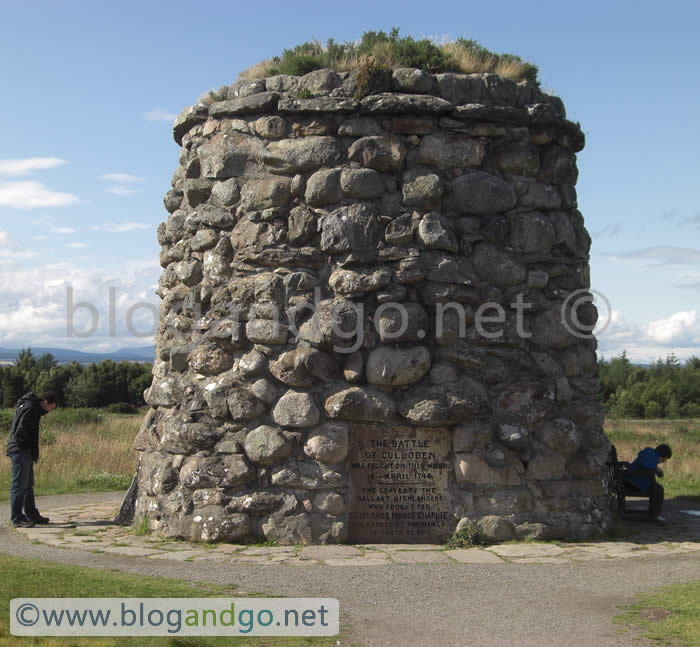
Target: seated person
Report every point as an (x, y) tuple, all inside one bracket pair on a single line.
[(649, 459)]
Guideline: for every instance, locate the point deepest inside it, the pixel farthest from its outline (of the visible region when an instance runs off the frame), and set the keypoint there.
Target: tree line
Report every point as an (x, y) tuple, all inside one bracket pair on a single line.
[(666, 389), (96, 385)]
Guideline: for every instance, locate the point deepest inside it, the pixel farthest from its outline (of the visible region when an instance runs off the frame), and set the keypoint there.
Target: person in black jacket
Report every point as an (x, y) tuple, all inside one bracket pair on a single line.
[(23, 450)]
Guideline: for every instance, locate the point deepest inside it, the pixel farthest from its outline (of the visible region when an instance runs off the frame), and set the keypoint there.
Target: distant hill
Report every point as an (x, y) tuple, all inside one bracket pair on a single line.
[(66, 356)]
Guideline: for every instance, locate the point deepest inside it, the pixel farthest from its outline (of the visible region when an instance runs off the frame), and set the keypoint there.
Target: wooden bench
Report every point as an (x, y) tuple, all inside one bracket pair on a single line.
[(618, 471)]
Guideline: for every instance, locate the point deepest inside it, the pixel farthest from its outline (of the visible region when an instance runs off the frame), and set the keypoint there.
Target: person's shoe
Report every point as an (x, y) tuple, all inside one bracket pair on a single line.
[(23, 524), (37, 518)]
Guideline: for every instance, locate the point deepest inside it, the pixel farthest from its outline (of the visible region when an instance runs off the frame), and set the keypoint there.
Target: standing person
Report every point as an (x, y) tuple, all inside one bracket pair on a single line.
[(23, 450), (649, 459)]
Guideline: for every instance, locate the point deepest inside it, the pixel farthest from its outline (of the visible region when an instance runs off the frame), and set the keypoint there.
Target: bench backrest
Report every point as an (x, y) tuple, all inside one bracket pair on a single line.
[(617, 470)]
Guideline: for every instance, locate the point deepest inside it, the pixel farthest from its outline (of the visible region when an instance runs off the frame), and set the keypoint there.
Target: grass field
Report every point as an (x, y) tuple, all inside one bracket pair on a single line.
[(97, 456), (31, 579), (668, 616)]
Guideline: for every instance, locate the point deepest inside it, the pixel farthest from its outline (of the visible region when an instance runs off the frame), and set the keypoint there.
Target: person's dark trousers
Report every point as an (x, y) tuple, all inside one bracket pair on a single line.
[(22, 487), (656, 501)]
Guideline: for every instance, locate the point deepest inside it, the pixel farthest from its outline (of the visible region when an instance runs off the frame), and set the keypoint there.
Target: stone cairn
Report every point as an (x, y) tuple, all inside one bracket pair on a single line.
[(340, 267)]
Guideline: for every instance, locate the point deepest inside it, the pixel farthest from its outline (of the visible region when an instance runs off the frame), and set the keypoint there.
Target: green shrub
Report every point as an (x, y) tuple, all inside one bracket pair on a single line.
[(308, 57), (653, 409), (369, 69), (468, 536), (690, 410), (423, 54), (71, 417), (122, 407), (140, 527), (391, 51), (304, 93)]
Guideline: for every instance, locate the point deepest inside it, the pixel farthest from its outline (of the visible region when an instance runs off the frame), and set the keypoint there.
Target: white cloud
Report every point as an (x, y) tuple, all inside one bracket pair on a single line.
[(679, 327), (26, 166), (663, 255), (645, 353), (160, 115), (618, 333), (77, 245), (30, 195), (678, 334), (62, 230), (121, 227), (35, 306), (10, 254), (689, 279), (122, 190), (27, 320), (120, 177)]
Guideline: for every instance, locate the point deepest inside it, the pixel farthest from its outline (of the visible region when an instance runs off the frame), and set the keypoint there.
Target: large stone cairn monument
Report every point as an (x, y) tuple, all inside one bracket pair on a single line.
[(375, 323)]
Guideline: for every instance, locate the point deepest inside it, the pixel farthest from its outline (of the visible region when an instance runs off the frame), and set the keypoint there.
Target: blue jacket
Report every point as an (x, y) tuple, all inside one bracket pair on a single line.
[(647, 459)]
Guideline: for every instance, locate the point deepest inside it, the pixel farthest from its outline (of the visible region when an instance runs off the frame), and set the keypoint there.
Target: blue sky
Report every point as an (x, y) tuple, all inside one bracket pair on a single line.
[(90, 90)]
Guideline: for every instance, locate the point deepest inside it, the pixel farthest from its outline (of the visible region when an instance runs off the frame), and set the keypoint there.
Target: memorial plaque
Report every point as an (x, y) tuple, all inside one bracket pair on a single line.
[(399, 478)]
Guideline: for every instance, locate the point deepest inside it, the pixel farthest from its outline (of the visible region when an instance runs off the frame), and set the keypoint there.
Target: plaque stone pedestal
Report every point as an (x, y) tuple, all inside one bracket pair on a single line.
[(399, 480)]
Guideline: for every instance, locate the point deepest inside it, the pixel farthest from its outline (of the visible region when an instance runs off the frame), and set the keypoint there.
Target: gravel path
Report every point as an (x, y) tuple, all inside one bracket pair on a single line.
[(406, 604)]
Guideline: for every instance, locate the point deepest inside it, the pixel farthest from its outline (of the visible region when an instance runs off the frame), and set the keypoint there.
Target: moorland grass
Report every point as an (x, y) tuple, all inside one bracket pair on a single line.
[(33, 579), (82, 456), (668, 616)]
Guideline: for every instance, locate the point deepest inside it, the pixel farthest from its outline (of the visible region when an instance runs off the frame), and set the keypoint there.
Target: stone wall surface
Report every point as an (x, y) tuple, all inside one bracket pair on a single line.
[(406, 263)]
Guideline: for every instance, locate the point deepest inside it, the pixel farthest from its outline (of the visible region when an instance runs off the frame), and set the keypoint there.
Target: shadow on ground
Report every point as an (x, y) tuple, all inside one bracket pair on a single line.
[(682, 516)]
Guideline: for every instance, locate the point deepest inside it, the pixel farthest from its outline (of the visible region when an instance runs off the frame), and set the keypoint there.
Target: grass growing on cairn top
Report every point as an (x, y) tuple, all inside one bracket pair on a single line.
[(379, 50)]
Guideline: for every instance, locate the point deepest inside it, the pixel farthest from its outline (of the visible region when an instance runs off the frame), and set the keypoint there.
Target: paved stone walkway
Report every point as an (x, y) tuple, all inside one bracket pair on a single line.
[(88, 527)]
